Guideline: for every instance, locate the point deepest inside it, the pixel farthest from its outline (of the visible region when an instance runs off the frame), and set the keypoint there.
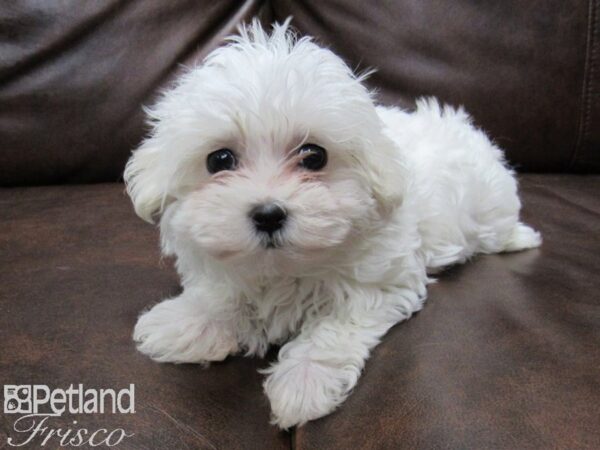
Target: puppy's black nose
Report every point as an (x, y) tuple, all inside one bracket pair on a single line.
[(268, 218)]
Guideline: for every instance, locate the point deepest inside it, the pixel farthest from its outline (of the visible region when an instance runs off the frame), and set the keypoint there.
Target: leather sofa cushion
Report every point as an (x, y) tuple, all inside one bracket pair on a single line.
[(504, 354), (528, 71), (73, 79), (77, 268)]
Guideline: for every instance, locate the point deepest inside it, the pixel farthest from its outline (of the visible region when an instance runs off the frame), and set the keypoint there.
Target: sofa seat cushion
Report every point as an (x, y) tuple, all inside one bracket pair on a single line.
[(77, 267), (505, 354)]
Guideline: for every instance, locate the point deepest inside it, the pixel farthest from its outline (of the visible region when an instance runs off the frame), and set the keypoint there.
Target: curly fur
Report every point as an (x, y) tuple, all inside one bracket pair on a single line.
[(404, 194)]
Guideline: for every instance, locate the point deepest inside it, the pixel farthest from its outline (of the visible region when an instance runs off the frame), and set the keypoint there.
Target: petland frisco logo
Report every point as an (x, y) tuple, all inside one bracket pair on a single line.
[(37, 405)]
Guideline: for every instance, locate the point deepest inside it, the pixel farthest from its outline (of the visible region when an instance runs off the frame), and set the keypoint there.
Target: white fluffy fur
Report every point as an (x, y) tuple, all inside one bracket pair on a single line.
[(403, 195)]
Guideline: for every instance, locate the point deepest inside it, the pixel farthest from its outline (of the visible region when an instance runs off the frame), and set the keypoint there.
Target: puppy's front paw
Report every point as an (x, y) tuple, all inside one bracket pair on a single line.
[(303, 390), (178, 331)]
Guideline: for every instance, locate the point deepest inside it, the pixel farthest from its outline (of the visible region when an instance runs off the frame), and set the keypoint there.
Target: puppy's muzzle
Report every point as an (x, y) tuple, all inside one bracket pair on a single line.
[(268, 218)]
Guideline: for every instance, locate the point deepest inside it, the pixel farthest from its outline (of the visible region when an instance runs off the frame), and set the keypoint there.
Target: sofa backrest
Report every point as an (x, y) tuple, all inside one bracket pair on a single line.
[(74, 76)]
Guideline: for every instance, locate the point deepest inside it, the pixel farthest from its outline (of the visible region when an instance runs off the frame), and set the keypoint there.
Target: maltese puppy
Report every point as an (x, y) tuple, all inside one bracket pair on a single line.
[(303, 215)]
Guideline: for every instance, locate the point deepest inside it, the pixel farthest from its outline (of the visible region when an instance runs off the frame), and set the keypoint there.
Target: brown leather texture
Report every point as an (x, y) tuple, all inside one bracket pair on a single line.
[(77, 268), (528, 71), (73, 79), (505, 354)]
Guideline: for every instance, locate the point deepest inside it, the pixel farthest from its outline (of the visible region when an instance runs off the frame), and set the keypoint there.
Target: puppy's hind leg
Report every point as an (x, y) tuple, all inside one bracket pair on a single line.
[(522, 237)]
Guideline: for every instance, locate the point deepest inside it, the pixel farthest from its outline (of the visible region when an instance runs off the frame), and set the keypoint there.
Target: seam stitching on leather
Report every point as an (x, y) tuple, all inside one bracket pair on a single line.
[(592, 72), (589, 70)]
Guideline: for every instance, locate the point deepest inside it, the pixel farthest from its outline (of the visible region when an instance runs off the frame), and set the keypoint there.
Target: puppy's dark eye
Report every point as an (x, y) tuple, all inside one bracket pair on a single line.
[(313, 157), (219, 160)]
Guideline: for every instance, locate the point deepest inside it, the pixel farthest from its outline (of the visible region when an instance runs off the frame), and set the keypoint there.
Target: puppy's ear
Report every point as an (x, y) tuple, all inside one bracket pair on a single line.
[(145, 180), (385, 171)]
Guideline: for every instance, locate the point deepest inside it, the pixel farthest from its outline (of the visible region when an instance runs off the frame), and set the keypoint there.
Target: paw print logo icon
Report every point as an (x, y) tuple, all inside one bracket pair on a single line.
[(17, 399)]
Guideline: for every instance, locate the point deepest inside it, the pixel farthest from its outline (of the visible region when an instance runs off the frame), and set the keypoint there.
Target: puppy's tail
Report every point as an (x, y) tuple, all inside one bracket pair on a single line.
[(523, 237)]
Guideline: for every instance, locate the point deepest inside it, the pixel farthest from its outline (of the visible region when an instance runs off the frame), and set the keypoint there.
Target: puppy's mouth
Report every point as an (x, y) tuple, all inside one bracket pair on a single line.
[(271, 242), (267, 243)]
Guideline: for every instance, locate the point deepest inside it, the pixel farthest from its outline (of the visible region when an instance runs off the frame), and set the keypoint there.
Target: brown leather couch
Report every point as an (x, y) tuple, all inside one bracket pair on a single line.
[(506, 352)]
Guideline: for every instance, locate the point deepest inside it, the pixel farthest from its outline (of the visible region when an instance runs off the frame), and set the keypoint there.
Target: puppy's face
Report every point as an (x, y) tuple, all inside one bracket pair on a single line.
[(270, 158), (274, 206)]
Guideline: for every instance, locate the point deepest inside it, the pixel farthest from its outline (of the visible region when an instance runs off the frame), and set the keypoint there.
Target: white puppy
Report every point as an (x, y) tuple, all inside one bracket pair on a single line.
[(302, 214)]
